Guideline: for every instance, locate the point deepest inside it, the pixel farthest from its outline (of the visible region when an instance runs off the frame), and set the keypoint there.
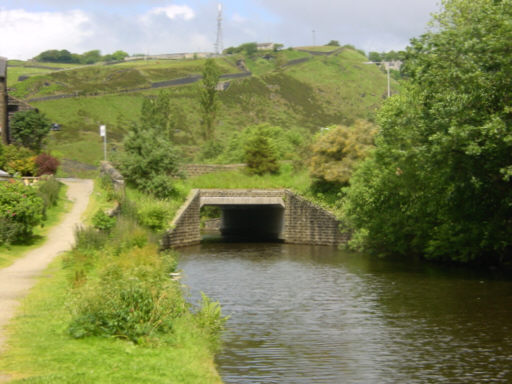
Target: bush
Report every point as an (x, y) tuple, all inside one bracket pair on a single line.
[(89, 238), (18, 160), (46, 164), (21, 209), (134, 300), (48, 189), (209, 318), (153, 216), (260, 156), (102, 221), (160, 186)]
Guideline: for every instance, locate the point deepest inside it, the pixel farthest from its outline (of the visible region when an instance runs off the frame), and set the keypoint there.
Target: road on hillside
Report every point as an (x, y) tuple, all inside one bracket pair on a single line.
[(17, 279)]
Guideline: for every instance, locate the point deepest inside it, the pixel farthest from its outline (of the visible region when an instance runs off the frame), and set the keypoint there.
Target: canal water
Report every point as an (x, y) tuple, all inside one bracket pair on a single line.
[(306, 314)]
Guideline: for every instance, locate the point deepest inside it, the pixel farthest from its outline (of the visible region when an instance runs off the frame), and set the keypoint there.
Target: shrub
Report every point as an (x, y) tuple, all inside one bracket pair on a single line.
[(209, 318), (134, 299), (48, 189), (46, 164), (260, 156), (21, 209), (89, 238), (22, 167), (160, 186), (102, 221), (153, 215)]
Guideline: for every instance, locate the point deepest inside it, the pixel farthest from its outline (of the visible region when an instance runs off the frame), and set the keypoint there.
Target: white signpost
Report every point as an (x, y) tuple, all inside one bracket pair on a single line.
[(103, 133)]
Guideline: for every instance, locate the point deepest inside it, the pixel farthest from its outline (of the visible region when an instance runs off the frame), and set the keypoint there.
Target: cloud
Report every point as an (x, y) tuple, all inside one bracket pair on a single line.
[(237, 18), (22, 32), (174, 11)]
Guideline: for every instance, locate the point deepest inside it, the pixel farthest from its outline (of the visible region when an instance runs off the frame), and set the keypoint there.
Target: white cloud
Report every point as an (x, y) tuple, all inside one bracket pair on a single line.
[(22, 32), (237, 18), (174, 11)]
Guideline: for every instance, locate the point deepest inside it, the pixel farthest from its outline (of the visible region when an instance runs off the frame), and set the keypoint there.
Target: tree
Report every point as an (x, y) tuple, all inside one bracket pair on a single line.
[(29, 129), (375, 57), (119, 55), (260, 155), (208, 98), (439, 182), (90, 57), (333, 43), (149, 161), (156, 114), (337, 151)]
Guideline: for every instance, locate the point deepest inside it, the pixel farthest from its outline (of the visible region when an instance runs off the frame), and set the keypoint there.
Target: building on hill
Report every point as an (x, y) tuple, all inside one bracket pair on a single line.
[(266, 46), (4, 130)]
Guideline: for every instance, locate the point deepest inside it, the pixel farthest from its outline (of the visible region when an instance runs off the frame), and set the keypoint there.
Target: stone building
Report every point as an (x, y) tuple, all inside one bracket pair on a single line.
[(4, 104), (9, 105)]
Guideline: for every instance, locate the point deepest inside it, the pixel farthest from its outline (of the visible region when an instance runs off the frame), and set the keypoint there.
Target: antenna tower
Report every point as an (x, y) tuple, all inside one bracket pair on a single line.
[(219, 46)]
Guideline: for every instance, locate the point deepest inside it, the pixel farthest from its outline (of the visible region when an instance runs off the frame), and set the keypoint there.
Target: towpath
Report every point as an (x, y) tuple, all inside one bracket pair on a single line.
[(17, 279)]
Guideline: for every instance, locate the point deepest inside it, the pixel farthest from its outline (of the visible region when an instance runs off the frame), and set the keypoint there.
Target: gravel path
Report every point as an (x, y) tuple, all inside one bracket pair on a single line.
[(17, 279)]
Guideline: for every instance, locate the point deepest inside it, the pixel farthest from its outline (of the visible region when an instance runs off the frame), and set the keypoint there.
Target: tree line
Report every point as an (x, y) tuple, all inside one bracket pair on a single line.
[(89, 57)]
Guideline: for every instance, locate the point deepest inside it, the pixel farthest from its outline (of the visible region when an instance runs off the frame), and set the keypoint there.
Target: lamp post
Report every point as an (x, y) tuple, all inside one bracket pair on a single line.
[(386, 64)]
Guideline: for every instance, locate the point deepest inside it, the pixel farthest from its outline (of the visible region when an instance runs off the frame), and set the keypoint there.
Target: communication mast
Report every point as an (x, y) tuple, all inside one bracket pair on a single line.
[(219, 46)]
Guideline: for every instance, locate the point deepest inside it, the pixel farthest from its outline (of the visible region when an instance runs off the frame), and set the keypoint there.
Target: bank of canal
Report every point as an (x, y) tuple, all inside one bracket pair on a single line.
[(305, 314)]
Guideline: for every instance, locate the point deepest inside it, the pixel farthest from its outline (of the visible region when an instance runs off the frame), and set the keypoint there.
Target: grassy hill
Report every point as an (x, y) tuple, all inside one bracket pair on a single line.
[(292, 89)]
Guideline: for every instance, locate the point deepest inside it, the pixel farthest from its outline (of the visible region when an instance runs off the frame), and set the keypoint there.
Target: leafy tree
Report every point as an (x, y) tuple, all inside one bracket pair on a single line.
[(149, 161), (208, 98), (90, 57), (333, 43), (29, 129), (260, 155), (156, 114), (337, 151), (439, 182), (278, 47), (374, 56), (119, 55)]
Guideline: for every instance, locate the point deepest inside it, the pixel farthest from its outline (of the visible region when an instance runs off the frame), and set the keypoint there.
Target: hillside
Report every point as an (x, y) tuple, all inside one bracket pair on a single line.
[(294, 90)]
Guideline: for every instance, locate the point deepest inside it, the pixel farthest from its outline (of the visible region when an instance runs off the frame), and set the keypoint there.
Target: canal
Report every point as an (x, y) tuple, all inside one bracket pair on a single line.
[(306, 314)]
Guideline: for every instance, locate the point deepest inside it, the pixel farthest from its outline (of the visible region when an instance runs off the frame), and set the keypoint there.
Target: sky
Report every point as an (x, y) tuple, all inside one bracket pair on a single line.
[(28, 27)]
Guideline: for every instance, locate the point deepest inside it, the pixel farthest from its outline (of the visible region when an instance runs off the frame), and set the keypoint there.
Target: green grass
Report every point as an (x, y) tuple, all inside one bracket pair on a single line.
[(41, 351), (287, 178), (9, 254), (319, 48)]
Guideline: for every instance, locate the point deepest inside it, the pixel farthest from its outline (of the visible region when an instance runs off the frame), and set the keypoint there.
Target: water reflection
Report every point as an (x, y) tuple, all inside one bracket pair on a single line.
[(302, 314)]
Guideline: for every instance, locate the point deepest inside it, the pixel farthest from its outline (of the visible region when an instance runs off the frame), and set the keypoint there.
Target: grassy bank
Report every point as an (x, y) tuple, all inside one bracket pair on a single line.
[(8, 254), (108, 312), (43, 352)]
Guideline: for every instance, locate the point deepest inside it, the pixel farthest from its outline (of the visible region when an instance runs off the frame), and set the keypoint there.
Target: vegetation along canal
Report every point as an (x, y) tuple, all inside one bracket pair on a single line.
[(309, 314)]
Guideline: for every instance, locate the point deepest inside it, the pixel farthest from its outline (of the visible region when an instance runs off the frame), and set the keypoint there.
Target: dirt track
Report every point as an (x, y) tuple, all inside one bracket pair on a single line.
[(17, 279)]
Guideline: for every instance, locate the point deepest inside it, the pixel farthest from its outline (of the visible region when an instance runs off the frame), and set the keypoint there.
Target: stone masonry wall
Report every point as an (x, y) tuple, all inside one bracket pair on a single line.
[(306, 223), (115, 176), (185, 228), (4, 133)]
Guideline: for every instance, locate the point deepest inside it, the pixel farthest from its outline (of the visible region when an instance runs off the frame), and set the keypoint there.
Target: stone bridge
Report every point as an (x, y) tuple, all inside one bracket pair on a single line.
[(256, 214)]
